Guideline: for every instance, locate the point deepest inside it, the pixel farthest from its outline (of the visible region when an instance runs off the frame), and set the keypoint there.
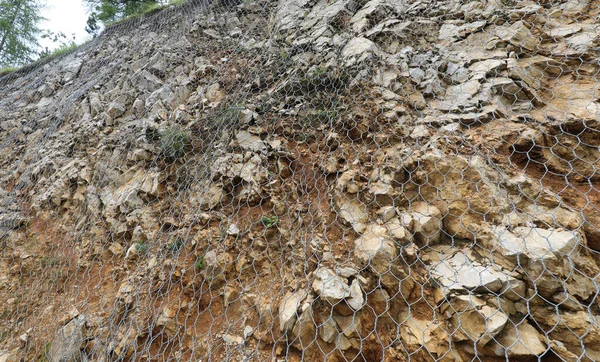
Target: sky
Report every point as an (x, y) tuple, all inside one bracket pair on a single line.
[(67, 16)]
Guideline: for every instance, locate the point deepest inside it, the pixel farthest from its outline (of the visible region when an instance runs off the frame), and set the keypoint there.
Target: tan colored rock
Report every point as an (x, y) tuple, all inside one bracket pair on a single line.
[(352, 212), (518, 341), (428, 223), (214, 93), (288, 309)]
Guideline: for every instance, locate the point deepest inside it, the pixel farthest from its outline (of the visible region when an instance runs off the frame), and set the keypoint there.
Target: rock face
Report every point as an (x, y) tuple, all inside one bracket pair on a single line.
[(307, 180), (66, 345)]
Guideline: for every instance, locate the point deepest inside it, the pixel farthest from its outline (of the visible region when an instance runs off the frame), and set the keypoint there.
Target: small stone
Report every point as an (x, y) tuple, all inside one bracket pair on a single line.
[(359, 49), (233, 230), (115, 109), (519, 35), (387, 213), (65, 345), (288, 309), (427, 223), (248, 331), (329, 286), (116, 249), (328, 331), (420, 131), (375, 248), (214, 93), (232, 340), (520, 341)]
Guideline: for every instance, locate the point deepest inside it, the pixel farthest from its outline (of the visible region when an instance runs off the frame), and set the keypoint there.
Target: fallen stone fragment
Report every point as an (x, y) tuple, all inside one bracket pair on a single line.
[(288, 309)]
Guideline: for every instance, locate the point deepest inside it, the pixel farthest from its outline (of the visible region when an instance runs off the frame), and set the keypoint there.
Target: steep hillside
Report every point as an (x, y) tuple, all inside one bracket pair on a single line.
[(381, 180)]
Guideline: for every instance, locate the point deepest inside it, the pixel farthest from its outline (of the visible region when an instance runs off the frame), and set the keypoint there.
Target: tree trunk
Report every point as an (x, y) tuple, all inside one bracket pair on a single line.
[(17, 7)]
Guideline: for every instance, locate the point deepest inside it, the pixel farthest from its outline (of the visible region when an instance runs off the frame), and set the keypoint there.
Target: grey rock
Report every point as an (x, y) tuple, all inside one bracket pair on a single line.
[(518, 34), (66, 344), (453, 32), (116, 109), (537, 244), (518, 341), (427, 223), (358, 50), (328, 331), (353, 212), (375, 248), (481, 69), (330, 286), (288, 309), (460, 95), (457, 273), (248, 141)]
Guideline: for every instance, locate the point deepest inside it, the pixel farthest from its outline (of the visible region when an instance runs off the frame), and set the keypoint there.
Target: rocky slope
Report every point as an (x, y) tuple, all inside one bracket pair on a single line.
[(308, 180)]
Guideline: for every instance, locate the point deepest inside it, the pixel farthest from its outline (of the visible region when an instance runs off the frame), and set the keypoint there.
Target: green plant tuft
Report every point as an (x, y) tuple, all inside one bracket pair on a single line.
[(7, 70), (174, 142), (141, 247), (175, 245), (269, 221), (200, 264)]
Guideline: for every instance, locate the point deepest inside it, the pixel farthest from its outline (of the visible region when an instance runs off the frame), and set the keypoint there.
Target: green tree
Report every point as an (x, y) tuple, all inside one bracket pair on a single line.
[(107, 11), (19, 30)]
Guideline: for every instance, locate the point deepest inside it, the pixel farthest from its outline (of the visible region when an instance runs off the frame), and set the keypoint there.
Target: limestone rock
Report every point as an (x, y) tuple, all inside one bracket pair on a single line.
[(428, 223), (66, 344), (359, 49), (537, 244), (352, 212), (518, 341), (457, 273), (289, 309), (519, 35), (375, 248)]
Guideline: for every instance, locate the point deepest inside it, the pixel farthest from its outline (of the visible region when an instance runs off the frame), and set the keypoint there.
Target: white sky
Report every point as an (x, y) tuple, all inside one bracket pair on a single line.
[(68, 16)]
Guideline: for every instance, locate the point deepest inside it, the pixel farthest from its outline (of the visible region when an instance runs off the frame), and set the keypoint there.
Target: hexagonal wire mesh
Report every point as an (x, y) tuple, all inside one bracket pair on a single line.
[(307, 180)]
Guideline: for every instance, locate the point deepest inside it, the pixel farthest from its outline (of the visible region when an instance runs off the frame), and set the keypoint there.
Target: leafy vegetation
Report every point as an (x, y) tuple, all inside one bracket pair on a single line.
[(269, 221), (141, 248), (7, 70), (200, 264), (174, 141), (19, 30), (175, 245), (112, 12)]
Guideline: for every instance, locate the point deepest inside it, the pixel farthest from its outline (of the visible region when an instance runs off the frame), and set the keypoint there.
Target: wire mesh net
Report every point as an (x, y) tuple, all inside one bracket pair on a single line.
[(307, 180)]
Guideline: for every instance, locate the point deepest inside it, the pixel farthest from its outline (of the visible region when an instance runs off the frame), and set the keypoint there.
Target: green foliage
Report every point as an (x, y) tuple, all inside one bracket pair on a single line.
[(7, 70), (231, 113), (111, 12), (174, 141), (269, 221), (45, 352), (141, 247), (318, 82), (64, 44), (50, 261), (19, 29), (200, 264), (175, 245), (322, 115)]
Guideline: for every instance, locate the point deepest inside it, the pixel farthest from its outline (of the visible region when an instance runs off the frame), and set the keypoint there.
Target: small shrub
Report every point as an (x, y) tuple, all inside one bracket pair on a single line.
[(200, 264), (141, 247), (175, 245), (231, 113), (174, 141), (50, 261), (269, 221), (7, 70)]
